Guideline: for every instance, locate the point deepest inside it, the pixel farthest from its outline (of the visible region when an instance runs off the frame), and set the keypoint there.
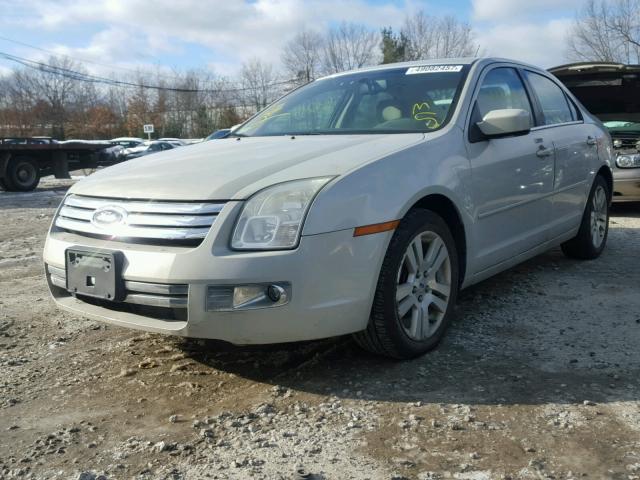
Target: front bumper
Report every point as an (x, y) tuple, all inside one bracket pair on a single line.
[(626, 185), (333, 278)]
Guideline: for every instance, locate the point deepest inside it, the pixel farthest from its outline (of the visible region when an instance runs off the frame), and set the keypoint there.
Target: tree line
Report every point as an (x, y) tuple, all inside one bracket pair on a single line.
[(61, 99)]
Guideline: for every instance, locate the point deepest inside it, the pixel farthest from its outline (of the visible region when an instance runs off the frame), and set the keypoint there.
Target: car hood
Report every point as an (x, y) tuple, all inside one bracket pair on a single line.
[(235, 168)]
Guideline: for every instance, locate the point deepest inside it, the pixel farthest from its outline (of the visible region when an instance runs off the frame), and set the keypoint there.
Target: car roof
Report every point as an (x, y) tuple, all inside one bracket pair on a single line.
[(435, 61)]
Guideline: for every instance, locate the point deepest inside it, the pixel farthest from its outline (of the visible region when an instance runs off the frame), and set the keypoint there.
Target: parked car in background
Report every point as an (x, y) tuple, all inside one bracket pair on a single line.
[(148, 148), (176, 142), (222, 133), (359, 203), (127, 142), (611, 91)]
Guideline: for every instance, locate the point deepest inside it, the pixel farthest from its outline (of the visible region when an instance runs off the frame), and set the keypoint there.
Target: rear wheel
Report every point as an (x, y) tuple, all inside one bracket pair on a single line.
[(594, 229), (23, 174), (416, 291)]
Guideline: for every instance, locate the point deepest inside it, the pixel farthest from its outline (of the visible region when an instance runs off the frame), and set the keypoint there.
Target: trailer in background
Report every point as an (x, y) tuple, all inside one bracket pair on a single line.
[(24, 160)]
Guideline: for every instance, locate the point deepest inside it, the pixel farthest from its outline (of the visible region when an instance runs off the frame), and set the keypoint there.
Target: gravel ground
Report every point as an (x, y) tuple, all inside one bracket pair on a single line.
[(537, 378)]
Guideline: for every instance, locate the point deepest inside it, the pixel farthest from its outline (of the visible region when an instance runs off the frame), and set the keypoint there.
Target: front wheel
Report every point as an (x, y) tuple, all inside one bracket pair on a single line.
[(416, 290), (594, 229)]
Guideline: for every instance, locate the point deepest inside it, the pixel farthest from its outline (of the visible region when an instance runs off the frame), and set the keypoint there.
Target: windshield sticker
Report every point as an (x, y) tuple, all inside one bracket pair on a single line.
[(434, 69)]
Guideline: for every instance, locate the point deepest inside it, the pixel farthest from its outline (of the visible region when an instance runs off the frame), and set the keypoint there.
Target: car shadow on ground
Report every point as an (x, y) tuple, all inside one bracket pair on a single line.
[(520, 337)]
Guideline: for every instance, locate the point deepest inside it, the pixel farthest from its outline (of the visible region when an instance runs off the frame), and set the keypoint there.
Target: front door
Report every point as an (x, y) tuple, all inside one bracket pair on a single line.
[(512, 177)]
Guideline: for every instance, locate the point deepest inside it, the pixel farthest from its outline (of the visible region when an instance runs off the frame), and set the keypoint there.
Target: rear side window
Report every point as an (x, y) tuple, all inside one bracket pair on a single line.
[(553, 101), (575, 114), (502, 88)]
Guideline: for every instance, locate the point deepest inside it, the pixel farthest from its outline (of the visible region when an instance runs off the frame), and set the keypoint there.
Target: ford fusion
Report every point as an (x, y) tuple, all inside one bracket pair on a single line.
[(358, 204)]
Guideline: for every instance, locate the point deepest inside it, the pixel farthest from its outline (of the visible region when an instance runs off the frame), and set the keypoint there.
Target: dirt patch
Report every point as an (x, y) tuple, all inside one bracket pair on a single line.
[(537, 378)]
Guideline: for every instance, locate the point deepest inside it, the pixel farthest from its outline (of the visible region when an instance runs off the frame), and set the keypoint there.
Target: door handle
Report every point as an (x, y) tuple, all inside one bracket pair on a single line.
[(544, 152), (591, 141)]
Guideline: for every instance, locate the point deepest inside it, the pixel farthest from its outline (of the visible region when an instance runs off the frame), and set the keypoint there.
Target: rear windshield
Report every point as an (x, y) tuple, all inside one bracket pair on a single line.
[(400, 100)]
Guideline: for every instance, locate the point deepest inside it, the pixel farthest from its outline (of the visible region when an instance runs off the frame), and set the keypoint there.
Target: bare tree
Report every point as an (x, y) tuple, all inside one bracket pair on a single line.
[(607, 31), (301, 56), (626, 26), (432, 37), (348, 46), (55, 86), (258, 79)]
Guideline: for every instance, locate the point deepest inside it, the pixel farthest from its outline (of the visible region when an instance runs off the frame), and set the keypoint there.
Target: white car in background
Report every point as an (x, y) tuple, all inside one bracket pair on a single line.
[(147, 148), (127, 142), (176, 142)]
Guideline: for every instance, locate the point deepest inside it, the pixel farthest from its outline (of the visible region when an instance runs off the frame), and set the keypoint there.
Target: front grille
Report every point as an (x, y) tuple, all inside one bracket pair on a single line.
[(138, 220), (167, 295), (629, 142)]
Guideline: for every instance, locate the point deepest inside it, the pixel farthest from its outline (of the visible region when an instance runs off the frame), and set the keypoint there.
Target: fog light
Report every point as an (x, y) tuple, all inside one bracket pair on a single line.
[(275, 292), (247, 297)]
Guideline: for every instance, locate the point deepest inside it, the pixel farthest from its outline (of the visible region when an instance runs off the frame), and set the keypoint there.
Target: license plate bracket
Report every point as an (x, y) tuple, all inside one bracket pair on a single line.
[(95, 273)]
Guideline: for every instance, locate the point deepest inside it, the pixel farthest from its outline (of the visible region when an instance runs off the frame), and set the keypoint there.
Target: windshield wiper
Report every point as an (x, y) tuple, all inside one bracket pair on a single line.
[(239, 135)]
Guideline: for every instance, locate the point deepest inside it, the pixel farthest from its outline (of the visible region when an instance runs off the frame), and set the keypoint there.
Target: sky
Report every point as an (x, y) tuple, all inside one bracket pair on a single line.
[(112, 36)]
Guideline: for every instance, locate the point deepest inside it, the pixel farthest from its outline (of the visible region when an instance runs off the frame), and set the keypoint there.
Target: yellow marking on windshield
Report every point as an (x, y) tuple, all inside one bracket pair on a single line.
[(421, 113)]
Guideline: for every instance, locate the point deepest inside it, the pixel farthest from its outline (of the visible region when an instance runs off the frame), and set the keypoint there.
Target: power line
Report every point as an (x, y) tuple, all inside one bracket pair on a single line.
[(84, 60), (85, 77)]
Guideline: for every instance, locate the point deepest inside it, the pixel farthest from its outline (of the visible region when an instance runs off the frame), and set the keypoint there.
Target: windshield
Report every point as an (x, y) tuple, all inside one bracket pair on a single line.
[(622, 125), (401, 100)]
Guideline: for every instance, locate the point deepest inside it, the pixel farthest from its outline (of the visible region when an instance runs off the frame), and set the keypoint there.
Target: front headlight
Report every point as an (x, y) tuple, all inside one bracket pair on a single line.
[(628, 161), (273, 218)]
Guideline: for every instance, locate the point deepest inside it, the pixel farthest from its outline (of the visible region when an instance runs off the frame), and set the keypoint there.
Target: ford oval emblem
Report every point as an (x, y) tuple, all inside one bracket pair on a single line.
[(109, 216)]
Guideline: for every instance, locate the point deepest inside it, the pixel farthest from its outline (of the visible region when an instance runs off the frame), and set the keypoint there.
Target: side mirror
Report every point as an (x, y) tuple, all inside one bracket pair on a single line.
[(508, 121)]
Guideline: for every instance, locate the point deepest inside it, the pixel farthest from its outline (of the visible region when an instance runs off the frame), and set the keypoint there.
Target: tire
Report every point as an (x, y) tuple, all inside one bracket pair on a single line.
[(594, 229), (3, 185), (23, 174), (392, 330)]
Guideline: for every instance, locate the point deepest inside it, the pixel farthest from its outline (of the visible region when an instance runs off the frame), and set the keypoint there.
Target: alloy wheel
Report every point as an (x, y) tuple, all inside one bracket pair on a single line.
[(423, 286), (599, 216)]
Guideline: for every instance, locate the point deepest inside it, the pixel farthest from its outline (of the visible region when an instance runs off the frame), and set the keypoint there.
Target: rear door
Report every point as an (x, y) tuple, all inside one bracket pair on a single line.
[(575, 149), (512, 177)]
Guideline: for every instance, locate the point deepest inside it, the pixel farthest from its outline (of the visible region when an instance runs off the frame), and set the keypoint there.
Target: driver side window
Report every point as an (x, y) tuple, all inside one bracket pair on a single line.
[(502, 88)]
